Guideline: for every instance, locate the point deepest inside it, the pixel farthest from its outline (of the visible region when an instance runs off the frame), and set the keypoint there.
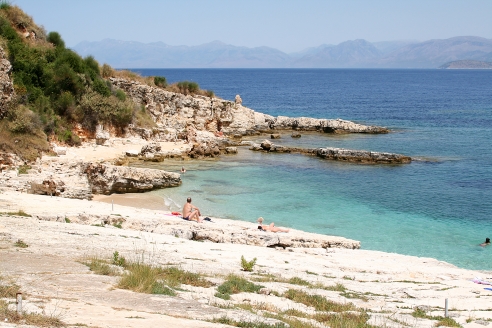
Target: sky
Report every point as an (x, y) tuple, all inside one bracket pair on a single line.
[(287, 25)]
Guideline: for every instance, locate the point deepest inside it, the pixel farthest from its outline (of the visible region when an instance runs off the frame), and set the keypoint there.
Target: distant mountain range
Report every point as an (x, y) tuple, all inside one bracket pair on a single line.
[(348, 54)]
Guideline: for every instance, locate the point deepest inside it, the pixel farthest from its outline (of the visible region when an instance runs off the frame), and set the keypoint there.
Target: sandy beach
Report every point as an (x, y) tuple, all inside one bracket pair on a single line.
[(54, 280)]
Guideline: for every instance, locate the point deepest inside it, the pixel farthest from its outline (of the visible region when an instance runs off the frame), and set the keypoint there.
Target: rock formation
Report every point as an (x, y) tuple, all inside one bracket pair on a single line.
[(108, 179), (337, 154), (53, 176), (6, 85), (174, 112), (219, 232)]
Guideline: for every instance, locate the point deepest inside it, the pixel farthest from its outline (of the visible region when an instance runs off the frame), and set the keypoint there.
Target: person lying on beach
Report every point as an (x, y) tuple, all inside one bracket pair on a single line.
[(271, 227), (191, 212), (485, 243)]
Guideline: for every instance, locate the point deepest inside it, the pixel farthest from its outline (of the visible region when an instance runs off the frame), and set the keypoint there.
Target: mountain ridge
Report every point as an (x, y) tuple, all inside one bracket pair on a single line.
[(357, 53)]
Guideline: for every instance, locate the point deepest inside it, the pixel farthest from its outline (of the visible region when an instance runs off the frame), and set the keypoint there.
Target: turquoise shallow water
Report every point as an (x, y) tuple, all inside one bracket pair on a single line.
[(438, 206)]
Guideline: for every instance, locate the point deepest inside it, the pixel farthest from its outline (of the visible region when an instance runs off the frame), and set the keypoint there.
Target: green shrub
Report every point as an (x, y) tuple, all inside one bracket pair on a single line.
[(120, 94), (187, 87), (56, 39), (118, 260), (24, 169), (160, 81), (5, 4), (96, 108), (247, 265), (21, 244), (92, 67), (100, 87)]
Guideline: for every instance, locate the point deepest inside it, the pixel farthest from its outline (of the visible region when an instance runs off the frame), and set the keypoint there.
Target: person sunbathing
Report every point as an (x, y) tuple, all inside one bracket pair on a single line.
[(191, 212), (271, 227)]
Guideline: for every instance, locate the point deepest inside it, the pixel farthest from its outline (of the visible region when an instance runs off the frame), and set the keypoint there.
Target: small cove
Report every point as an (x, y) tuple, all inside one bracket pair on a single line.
[(438, 206)]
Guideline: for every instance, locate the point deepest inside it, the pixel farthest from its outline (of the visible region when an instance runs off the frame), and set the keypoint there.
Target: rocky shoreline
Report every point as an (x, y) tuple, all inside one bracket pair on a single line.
[(61, 234)]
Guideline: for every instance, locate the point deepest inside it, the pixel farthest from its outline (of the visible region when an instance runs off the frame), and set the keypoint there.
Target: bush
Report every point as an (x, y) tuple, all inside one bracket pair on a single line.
[(187, 87), (118, 260), (56, 39), (107, 71), (100, 87), (92, 67), (247, 266), (160, 81), (120, 94), (4, 4), (22, 120), (95, 108)]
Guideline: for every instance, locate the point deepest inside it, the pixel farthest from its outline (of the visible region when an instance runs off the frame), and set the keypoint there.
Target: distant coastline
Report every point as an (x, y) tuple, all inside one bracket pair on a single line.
[(467, 64)]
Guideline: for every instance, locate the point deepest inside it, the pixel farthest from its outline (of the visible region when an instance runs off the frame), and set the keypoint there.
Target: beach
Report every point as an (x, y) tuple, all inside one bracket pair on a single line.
[(389, 286)]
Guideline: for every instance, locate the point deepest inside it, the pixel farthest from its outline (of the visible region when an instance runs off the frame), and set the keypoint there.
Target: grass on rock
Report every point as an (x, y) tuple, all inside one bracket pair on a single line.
[(235, 285), (318, 302)]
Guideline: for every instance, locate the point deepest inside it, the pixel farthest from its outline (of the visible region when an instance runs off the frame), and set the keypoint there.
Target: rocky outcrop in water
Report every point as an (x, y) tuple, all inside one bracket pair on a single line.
[(174, 112), (6, 85), (108, 179), (337, 154)]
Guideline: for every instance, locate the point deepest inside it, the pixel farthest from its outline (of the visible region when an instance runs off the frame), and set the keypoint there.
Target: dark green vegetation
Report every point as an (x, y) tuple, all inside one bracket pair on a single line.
[(56, 90)]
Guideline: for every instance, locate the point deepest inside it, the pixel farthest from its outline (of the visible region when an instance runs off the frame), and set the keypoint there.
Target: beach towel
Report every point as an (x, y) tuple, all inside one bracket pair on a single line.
[(481, 281)]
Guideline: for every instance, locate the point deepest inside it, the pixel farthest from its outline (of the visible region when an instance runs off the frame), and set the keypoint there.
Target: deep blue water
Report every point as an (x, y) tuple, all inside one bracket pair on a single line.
[(438, 206)]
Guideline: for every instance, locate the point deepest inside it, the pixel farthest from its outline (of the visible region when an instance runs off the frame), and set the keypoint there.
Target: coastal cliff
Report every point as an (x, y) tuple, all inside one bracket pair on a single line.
[(175, 112)]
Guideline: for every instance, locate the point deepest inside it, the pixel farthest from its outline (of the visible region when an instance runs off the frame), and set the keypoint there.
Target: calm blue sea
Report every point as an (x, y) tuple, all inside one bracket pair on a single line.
[(438, 206)]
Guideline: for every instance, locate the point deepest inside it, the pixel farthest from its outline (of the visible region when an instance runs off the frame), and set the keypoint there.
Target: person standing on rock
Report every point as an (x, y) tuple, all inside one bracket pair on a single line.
[(191, 212)]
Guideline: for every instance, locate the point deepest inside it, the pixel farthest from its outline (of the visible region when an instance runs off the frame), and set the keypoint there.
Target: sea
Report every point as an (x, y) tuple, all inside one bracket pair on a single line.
[(438, 206)]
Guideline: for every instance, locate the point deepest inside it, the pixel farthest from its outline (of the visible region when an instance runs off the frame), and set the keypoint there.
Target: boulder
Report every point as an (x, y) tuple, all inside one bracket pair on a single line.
[(266, 145), (132, 153), (231, 150), (295, 135), (275, 136), (150, 148), (60, 150), (101, 135), (108, 179)]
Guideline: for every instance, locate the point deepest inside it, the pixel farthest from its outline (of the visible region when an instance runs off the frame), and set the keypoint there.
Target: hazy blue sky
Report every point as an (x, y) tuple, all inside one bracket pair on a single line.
[(287, 25)]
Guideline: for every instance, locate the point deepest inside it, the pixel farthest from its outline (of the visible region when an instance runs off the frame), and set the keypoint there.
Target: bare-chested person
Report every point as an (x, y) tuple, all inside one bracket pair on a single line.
[(191, 212), (271, 227)]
